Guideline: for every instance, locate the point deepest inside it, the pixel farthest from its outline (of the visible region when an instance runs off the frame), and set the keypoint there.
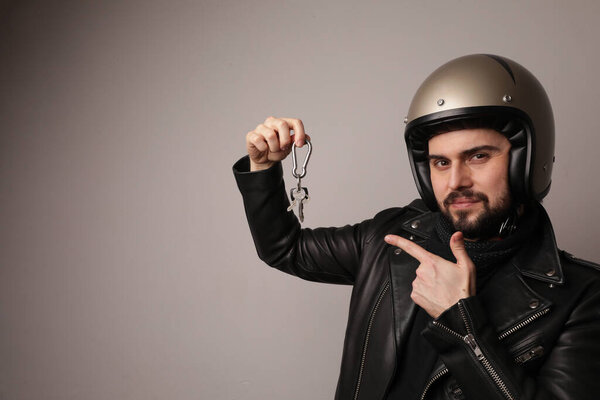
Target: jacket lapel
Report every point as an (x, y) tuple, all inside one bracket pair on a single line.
[(509, 301), (402, 273), (539, 259), (507, 297)]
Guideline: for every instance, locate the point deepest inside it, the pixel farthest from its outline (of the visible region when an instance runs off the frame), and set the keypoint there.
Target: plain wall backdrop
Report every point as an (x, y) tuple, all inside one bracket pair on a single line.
[(127, 270)]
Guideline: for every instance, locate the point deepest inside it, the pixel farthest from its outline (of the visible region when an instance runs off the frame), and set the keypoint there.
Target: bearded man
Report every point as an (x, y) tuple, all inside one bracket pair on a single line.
[(463, 294)]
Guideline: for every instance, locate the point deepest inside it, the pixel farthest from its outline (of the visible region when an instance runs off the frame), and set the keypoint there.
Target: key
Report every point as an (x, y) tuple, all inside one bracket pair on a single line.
[(301, 205), (298, 196), (293, 203), (306, 199), (294, 197)]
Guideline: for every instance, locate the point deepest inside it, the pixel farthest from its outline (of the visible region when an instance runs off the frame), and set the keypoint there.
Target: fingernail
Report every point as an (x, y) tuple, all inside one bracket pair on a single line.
[(388, 238)]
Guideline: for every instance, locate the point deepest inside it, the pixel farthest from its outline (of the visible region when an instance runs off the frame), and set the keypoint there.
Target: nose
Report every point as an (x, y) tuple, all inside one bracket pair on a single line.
[(460, 177)]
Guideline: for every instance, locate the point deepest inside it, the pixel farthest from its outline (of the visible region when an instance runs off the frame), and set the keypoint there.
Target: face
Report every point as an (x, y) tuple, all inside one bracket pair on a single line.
[(469, 175)]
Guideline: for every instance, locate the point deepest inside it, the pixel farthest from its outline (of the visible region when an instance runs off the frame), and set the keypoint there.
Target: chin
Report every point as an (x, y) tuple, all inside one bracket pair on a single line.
[(466, 220), (477, 225), (480, 220), (470, 217)]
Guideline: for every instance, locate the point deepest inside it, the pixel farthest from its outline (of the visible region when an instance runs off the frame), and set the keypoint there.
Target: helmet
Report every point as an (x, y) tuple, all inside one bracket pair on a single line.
[(484, 90)]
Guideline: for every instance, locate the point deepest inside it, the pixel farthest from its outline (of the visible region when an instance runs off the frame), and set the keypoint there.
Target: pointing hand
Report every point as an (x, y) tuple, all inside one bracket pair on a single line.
[(439, 283)]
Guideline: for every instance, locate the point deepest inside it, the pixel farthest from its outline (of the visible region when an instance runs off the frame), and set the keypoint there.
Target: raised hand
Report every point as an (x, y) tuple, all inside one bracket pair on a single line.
[(439, 283), (271, 141)]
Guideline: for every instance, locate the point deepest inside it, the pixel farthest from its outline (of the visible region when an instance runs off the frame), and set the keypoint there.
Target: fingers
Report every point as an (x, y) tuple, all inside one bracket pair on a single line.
[(257, 141), (298, 127), (272, 140), (410, 247), (277, 133), (457, 245), (269, 136), (281, 132)]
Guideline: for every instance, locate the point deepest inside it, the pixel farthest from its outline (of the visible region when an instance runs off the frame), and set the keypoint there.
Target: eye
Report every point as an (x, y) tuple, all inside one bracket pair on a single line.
[(440, 163), (478, 157)]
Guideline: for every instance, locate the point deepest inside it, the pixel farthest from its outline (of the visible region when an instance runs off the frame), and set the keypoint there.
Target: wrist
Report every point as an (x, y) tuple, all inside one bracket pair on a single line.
[(260, 166)]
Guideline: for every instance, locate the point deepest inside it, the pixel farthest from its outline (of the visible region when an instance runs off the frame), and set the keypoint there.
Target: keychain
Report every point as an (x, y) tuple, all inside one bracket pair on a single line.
[(299, 194)]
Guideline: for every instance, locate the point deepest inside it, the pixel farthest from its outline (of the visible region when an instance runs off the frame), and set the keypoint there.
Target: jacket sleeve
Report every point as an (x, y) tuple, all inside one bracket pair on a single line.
[(468, 345), (329, 255)]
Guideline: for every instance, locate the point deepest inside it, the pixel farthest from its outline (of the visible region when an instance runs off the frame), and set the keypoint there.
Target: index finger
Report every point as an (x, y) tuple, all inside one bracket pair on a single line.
[(298, 127), (410, 247)]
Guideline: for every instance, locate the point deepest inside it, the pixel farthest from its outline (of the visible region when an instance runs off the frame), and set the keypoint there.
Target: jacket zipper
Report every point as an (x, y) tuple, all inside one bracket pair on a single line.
[(524, 323), (469, 339), (504, 335), (364, 353), (432, 380)]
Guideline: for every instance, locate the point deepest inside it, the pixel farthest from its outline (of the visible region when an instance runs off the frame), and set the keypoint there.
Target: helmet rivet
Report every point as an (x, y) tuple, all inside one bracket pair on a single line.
[(545, 167), (507, 98), (440, 102), (405, 119)]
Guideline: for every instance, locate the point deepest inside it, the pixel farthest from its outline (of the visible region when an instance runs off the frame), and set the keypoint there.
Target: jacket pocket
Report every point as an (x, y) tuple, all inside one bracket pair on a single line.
[(527, 350)]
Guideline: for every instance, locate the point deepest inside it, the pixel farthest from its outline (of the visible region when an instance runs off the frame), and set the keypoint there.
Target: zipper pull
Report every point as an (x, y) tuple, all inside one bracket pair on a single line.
[(470, 340)]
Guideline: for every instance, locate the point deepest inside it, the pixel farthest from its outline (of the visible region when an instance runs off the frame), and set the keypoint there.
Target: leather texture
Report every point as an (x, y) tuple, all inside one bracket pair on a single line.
[(536, 324)]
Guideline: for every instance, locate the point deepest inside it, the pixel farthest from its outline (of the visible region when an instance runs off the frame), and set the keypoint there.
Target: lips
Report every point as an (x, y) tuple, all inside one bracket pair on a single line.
[(464, 198), (463, 202)]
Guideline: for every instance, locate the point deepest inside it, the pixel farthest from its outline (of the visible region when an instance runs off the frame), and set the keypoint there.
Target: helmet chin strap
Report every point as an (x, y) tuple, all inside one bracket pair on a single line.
[(509, 226)]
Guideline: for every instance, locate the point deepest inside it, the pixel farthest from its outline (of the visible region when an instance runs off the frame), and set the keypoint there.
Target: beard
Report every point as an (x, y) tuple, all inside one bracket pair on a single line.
[(485, 225)]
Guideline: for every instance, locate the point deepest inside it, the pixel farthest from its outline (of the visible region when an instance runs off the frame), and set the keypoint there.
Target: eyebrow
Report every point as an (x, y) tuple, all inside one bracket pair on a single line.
[(467, 152)]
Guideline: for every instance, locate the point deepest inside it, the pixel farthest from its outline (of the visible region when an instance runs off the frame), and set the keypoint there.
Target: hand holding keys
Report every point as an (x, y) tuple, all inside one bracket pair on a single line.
[(273, 141)]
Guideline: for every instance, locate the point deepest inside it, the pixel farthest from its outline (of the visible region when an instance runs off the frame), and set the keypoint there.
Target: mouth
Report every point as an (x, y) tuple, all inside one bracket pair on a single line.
[(464, 199), (463, 202)]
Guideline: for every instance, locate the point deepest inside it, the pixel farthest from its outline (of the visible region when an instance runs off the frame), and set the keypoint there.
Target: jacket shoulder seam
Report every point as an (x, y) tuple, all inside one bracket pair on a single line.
[(580, 261)]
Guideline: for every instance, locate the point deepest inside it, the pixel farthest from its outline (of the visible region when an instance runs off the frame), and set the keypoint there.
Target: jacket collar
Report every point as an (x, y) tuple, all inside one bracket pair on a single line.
[(539, 259)]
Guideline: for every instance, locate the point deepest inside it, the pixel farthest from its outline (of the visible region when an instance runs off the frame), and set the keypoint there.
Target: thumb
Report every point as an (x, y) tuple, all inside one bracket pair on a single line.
[(457, 245)]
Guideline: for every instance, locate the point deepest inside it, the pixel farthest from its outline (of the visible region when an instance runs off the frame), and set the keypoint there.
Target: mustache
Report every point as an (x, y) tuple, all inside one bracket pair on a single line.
[(466, 193)]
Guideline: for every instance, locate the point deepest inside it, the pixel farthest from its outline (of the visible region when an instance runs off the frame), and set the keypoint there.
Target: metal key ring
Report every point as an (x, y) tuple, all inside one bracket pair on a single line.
[(303, 173)]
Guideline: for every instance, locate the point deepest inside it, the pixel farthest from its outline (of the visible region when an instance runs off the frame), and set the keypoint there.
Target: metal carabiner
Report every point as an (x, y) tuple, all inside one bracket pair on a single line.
[(294, 160)]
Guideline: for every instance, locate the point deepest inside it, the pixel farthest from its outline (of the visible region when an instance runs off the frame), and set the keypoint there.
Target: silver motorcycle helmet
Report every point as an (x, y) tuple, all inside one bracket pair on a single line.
[(485, 91)]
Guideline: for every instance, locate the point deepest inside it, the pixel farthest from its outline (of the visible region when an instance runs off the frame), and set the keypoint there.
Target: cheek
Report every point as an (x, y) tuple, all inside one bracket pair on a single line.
[(439, 187), (495, 184)]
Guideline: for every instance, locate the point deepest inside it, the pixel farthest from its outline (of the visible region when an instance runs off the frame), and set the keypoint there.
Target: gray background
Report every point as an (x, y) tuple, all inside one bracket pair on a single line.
[(127, 270)]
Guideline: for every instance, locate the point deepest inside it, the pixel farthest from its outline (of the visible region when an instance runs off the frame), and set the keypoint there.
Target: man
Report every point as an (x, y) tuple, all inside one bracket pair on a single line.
[(463, 294)]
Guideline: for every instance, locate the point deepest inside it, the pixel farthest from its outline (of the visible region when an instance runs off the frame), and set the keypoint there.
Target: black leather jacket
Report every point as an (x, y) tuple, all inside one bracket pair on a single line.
[(533, 332)]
